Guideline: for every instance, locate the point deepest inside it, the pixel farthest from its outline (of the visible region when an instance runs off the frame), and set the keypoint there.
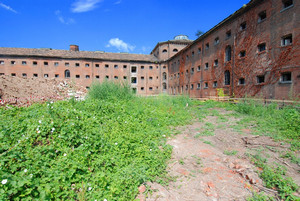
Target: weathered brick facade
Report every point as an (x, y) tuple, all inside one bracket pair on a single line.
[(253, 52)]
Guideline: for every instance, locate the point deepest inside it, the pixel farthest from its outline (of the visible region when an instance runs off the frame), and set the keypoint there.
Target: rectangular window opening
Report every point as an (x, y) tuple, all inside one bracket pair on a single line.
[(287, 40), (46, 63), (261, 47), (242, 53), (24, 63), (260, 79), (133, 80), (133, 69), (286, 77), (77, 76), (242, 81), (262, 16), (243, 26)]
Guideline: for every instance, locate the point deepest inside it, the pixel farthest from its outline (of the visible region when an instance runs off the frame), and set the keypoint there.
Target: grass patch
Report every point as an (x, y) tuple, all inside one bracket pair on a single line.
[(230, 153), (100, 148)]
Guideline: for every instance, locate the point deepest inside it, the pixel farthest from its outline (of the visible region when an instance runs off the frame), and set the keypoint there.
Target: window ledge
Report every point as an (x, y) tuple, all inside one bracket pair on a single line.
[(261, 21), (284, 9), (283, 46), (285, 82), (205, 87)]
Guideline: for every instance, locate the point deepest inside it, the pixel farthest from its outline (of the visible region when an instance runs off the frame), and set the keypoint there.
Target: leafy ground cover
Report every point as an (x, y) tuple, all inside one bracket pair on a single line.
[(102, 148)]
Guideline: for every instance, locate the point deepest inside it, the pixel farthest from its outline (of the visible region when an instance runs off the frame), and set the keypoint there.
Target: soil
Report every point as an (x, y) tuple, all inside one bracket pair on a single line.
[(217, 167), (25, 91)]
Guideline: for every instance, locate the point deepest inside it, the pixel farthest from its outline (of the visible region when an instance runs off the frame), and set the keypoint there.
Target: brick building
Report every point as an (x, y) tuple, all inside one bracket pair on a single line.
[(253, 52)]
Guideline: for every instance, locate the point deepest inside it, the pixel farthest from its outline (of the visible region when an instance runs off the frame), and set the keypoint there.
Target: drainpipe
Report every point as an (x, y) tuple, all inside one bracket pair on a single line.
[(233, 64)]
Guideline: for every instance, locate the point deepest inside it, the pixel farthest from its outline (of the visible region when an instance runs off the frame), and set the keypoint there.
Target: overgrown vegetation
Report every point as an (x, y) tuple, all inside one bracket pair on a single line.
[(100, 148)]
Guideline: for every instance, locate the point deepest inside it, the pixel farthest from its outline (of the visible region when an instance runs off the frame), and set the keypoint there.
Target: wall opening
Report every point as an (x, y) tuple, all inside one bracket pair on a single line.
[(227, 77)]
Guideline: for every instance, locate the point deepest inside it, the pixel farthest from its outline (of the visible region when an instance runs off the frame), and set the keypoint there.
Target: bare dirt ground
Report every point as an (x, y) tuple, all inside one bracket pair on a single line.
[(216, 166), (25, 91)]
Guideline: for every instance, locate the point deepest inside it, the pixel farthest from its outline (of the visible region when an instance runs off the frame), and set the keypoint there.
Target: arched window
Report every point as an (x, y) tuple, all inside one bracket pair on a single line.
[(228, 53), (67, 74), (175, 50), (227, 77), (164, 75), (164, 86), (165, 51)]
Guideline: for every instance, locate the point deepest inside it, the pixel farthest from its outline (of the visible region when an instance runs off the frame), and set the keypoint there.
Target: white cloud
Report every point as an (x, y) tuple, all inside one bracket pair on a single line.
[(81, 6), (63, 20), (120, 45), (7, 7), (118, 2)]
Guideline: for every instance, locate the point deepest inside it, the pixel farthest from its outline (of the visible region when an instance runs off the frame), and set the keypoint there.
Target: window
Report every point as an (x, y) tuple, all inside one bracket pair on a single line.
[(55, 63), (34, 63), (150, 67), (150, 88), (205, 85), (106, 77), (242, 53), (24, 75), (124, 77), (35, 75), (87, 65), (45, 63), (97, 65), (287, 3), (116, 77), (286, 77), (2, 62), (262, 16), (216, 63), (142, 67), (206, 66), (116, 66), (57, 75), (207, 46), (198, 68), (164, 75), (142, 88), (150, 78), (106, 66), (124, 66), (199, 50), (24, 63), (133, 80), (215, 84), (77, 76), (164, 51), (12, 62), (87, 76), (133, 69), (242, 81), (261, 47), (187, 57), (217, 41), (192, 70), (142, 78), (2, 74), (164, 67), (77, 64), (193, 53), (227, 77), (243, 26), (175, 50), (46, 75), (186, 87), (198, 85), (192, 86), (178, 75), (67, 64), (287, 40), (228, 34), (97, 77), (13, 74), (67, 74), (228, 53), (187, 72), (164, 86), (260, 79)]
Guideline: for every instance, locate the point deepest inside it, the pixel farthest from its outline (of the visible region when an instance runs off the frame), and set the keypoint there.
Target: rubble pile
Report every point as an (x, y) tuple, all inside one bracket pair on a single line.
[(25, 91)]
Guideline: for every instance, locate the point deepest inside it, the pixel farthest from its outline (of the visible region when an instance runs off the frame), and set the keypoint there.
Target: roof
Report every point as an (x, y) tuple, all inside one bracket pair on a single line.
[(184, 42), (67, 54)]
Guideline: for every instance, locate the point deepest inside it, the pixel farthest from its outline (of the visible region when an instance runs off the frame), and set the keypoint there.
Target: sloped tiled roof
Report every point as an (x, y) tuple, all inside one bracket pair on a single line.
[(66, 54)]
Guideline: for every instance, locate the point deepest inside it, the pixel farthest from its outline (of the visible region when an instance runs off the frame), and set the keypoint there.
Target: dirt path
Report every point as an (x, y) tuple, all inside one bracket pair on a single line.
[(209, 162)]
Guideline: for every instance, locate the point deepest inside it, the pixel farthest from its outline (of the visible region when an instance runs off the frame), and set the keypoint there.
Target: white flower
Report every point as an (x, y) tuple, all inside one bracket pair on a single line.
[(19, 141), (56, 151), (38, 131), (4, 181), (105, 200), (150, 149), (65, 154), (141, 140), (90, 188), (164, 135), (25, 170), (86, 137), (125, 122), (53, 129), (51, 102), (116, 143), (31, 175), (40, 121), (94, 117)]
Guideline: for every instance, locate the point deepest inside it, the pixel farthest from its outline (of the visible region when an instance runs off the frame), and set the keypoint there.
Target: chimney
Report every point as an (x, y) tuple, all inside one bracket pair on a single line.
[(74, 48)]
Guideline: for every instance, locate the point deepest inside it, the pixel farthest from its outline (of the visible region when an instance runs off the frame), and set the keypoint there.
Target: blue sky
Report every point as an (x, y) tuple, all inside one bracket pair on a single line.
[(133, 26)]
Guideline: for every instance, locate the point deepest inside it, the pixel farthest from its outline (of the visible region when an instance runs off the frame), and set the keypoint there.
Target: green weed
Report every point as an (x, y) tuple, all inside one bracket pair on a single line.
[(230, 153)]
